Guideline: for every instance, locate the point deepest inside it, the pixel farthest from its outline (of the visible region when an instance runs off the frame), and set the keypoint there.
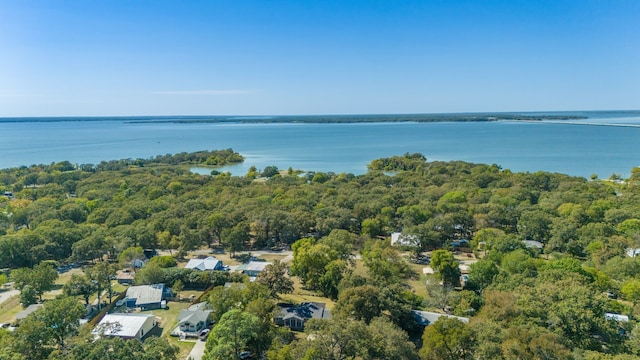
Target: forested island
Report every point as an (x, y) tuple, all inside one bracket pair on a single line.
[(513, 265)]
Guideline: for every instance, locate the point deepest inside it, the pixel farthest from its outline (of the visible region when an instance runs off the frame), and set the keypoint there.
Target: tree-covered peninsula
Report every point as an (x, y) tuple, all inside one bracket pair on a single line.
[(513, 265)]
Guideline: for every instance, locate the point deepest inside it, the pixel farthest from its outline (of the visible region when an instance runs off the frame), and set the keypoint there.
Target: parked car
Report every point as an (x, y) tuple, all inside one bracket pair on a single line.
[(204, 333), (245, 355)]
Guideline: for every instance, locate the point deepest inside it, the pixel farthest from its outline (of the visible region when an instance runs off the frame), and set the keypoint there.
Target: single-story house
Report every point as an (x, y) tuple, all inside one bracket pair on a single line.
[(294, 316), (633, 252), (139, 263), (425, 318), (532, 244), (208, 264), (191, 322), (462, 243), (253, 268), (28, 311), (126, 326), (616, 317), (400, 239), (124, 277), (147, 296)]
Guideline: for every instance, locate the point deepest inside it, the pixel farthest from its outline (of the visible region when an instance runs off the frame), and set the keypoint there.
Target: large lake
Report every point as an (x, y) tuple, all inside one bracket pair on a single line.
[(575, 149)]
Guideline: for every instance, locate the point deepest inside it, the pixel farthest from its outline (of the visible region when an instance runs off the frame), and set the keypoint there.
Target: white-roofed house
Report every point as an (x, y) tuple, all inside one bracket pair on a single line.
[(400, 239), (253, 268), (126, 326), (426, 318), (208, 264), (632, 252)]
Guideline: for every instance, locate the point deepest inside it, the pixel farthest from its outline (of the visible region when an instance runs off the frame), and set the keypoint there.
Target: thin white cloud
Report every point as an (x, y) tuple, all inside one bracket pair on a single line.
[(10, 94), (206, 92)]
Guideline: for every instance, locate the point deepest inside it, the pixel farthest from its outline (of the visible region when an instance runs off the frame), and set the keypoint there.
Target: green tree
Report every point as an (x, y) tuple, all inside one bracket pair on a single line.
[(79, 285), (275, 278), (385, 263), (231, 335), (482, 274), (101, 274), (447, 267), (631, 290), (28, 296), (447, 339), (234, 238), (41, 278), (49, 327), (177, 287), (360, 303), (150, 274), (130, 256)]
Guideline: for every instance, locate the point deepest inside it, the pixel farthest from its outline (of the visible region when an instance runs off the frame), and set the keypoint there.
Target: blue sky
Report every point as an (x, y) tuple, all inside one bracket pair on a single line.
[(116, 57)]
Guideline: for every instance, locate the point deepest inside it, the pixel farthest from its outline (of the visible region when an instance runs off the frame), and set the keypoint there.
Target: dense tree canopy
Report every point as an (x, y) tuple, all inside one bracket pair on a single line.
[(524, 301)]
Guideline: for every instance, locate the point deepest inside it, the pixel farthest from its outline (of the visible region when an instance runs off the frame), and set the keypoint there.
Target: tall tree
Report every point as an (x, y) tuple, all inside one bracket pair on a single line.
[(276, 279), (231, 335), (447, 339), (79, 285), (41, 278)]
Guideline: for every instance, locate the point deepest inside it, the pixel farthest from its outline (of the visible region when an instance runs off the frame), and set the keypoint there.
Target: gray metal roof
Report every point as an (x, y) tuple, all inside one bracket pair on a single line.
[(426, 317), (146, 294)]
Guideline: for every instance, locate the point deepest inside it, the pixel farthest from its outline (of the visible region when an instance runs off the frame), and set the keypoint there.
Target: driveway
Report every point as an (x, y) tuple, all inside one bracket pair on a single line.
[(6, 295), (198, 351)]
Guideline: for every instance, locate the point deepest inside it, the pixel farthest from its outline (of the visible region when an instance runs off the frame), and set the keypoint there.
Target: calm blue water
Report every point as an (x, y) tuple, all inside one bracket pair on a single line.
[(572, 149)]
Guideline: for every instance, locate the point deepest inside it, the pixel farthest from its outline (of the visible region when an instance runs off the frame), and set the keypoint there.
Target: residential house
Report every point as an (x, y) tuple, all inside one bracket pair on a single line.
[(193, 320), (208, 264), (633, 252), (532, 244), (124, 277), (253, 268), (294, 316), (126, 326), (426, 318), (400, 239), (147, 296), (616, 317)]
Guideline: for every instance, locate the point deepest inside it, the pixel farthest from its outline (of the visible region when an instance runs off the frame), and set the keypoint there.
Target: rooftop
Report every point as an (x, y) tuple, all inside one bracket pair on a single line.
[(146, 294), (253, 266), (125, 325), (426, 317), (209, 263), (305, 311)]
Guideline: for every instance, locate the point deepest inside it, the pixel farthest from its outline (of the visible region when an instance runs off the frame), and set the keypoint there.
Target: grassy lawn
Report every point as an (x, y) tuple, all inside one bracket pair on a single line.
[(301, 295), (296, 299), (169, 319), (9, 309), (185, 346)]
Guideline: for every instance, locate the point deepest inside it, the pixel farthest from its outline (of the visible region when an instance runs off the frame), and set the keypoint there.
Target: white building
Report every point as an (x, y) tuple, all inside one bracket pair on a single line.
[(126, 326), (208, 264), (400, 239)]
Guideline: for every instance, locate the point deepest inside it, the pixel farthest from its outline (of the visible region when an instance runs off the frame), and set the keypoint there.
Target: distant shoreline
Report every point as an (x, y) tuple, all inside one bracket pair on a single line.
[(311, 119)]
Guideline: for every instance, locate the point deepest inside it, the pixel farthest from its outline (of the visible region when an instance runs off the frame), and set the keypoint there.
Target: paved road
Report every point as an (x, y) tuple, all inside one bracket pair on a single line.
[(197, 352), (6, 295)]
